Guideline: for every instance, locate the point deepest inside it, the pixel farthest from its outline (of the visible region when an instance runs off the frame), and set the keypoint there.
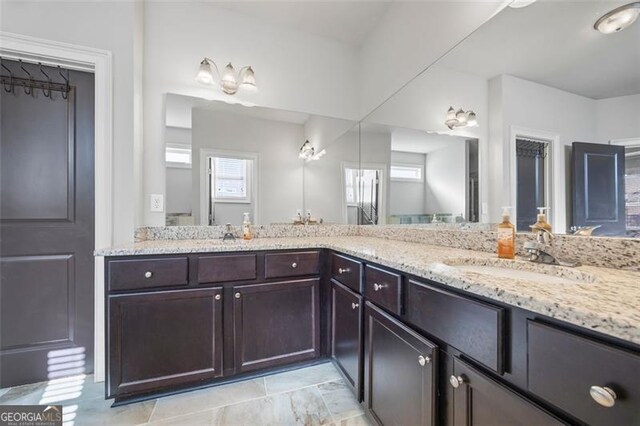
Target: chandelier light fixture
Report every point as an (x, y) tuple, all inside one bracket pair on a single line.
[(230, 81), (618, 19), (460, 118)]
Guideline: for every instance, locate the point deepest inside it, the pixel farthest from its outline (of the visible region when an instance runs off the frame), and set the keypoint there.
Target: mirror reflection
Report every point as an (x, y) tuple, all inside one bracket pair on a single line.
[(224, 160), (555, 112)]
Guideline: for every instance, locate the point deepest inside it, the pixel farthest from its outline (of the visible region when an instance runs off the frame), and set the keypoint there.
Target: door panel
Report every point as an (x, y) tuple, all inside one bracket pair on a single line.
[(276, 323), (46, 228), (346, 326), (598, 187)]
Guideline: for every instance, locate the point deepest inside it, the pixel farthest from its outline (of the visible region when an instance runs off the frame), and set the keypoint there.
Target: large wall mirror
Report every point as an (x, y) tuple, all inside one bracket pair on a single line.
[(549, 105), (224, 160)]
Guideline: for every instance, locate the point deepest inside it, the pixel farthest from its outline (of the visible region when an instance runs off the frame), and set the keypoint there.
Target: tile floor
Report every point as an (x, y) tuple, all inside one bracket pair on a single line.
[(308, 396)]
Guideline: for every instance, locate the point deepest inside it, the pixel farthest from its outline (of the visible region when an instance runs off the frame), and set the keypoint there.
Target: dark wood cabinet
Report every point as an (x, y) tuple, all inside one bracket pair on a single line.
[(480, 401), (226, 268), (294, 264), (347, 271), (138, 274), (400, 372), (346, 342), (383, 288), (163, 339), (275, 323)]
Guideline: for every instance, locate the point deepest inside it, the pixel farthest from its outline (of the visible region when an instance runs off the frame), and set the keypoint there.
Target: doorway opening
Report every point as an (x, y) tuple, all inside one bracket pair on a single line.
[(532, 180)]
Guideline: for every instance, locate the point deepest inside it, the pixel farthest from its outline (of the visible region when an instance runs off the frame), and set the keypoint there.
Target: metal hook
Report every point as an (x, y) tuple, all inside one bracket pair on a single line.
[(47, 94), (10, 89), (65, 93), (28, 91)]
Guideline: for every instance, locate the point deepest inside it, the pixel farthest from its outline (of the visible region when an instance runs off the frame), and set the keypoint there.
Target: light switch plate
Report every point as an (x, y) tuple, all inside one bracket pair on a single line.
[(156, 203)]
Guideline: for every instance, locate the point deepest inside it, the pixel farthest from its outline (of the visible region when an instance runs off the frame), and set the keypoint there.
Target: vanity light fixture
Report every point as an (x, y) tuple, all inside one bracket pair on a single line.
[(229, 81), (308, 152), (460, 118), (618, 19)]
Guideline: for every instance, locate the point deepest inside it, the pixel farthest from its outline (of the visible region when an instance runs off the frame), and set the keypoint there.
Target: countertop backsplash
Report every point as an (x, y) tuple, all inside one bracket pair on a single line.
[(618, 253)]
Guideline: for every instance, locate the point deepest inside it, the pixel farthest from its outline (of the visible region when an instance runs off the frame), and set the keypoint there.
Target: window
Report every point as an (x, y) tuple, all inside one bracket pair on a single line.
[(230, 179), (177, 155), (407, 172), (350, 185)]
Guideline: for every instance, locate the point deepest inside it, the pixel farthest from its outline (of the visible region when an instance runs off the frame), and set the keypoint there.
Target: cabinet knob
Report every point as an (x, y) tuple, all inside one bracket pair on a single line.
[(148, 274), (343, 270), (423, 360), (456, 381), (378, 287), (354, 305), (603, 395), (294, 265), (217, 297), (237, 295)]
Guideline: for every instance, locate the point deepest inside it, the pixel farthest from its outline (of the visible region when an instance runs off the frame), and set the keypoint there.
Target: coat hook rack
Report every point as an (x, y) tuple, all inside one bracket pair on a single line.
[(65, 93), (28, 90), (46, 92), (4, 85)]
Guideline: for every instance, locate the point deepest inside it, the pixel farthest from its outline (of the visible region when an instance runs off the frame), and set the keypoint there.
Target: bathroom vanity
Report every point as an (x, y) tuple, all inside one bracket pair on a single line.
[(417, 342)]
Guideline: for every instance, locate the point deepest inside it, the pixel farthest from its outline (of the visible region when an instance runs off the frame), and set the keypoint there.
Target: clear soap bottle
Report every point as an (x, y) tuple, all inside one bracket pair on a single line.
[(246, 227), (506, 237)]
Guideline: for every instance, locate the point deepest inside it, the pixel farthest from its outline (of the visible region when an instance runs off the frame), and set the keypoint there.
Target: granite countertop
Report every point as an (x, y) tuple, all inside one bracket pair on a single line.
[(601, 299)]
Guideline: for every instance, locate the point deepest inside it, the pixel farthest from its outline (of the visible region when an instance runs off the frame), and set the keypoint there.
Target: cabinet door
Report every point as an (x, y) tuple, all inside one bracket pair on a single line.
[(400, 372), (479, 400), (346, 344), (276, 323), (165, 338)]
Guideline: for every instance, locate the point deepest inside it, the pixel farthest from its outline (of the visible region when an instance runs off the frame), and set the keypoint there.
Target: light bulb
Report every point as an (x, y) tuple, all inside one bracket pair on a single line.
[(205, 76), (618, 19), (472, 120), (462, 117), (228, 80), (248, 80)]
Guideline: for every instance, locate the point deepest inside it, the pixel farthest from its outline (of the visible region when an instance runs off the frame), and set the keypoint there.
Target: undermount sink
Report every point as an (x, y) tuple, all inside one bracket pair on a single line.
[(521, 270)]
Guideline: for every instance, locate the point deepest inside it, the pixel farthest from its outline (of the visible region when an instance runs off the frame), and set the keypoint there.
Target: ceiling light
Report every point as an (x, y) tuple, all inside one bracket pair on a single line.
[(517, 4), (228, 80), (618, 19), (307, 151), (460, 118)]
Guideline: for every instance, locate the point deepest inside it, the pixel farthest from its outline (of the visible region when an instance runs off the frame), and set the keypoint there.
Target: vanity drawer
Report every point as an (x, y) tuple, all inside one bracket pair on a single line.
[(132, 274), (383, 288), (475, 328), (223, 268), (277, 265), (347, 271), (565, 369)]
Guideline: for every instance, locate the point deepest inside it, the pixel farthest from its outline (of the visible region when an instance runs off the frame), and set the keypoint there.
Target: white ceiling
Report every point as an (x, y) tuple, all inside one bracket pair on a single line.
[(346, 21), (554, 43)]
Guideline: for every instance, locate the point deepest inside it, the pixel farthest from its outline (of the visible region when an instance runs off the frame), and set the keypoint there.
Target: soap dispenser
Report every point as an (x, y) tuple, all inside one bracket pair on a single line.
[(246, 227), (542, 225), (506, 236)]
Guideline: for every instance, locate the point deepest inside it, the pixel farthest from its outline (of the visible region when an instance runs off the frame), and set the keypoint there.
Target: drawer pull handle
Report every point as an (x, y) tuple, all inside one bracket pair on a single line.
[(423, 360), (354, 305), (603, 395), (456, 381), (343, 271), (218, 297), (237, 295), (148, 274), (378, 287), (294, 265)]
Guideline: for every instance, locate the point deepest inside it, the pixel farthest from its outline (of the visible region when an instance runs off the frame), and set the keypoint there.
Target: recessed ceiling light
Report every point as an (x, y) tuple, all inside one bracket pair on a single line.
[(517, 4), (618, 19)]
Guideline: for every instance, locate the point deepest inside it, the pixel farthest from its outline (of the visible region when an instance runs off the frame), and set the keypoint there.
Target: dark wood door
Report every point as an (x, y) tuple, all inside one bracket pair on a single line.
[(481, 401), (400, 372), (346, 326), (162, 339), (276, 323), (46, 228), (598, 187)]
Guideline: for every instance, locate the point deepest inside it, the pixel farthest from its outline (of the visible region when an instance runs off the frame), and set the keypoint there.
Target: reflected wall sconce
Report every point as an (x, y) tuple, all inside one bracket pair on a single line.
[(308, 152), (460, 118), (618, 19), (229, 81)]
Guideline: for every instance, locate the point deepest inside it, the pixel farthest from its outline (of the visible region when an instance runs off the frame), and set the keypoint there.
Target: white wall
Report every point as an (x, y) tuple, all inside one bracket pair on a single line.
[(618, 118), (407, 197), (280, 169), (179, 184), (446, 180), (294, 71), (104, 25), (410, 37)]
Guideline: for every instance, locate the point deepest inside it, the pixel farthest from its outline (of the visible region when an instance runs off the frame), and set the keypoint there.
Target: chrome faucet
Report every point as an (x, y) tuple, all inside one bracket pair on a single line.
[(540, 250), (584, 230)]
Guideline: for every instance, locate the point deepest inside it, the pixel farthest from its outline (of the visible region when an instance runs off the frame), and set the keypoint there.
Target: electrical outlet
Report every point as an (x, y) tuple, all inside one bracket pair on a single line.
[(157, 203)]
